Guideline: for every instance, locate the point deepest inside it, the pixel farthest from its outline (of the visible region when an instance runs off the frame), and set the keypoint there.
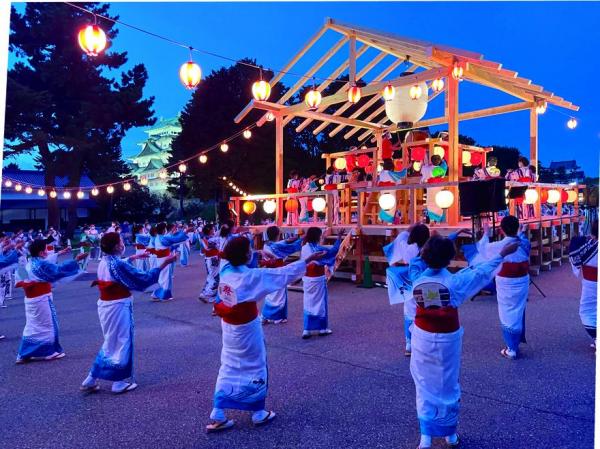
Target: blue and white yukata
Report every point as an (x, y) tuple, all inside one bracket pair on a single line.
[(243, 380), (210, 250), (437, 342), (185, 248), (141, 244), (314, 283), (162, 245), (8, 263), (275, 306), (512, 286), (40, 335), (583, 254), (116, 278)]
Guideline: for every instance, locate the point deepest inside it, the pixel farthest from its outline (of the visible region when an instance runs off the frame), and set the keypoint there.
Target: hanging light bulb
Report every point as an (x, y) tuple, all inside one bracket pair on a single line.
[(67, 195), (312, 98), (92, 39), (95, 191), (261, 89), (182, 168), (388, 92), (541, 107), (269, 116), (224, 147), (354, 94), (247, 134), (231, 184), (190, 73), (80, 195), (144, 180), (437, 85), (127, 187), (572, 123), (7, 183), (41, 192), (162, 174), (53, 194), (415, 92), (110, 189), (457, 72), (203, 158), (18, 187), (28, 189)]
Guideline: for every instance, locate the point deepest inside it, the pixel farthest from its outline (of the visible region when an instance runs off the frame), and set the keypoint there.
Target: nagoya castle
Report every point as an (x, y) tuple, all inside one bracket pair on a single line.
[(147, 166)]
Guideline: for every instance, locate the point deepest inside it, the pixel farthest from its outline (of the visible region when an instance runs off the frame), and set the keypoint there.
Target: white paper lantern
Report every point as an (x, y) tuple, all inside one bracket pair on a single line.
[(387, 201), (572, 196), (553, 196), (340, 163), (319, 204), (439, 151), (402, 108), (269, 206), (444, 199), (531, 196)]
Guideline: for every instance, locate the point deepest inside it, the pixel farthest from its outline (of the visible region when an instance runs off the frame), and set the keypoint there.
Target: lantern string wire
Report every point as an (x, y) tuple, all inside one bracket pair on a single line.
[(198, 50)]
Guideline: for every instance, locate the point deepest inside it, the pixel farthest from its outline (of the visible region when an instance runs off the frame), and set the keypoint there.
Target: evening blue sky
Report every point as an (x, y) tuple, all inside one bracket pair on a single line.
[(551, 43)]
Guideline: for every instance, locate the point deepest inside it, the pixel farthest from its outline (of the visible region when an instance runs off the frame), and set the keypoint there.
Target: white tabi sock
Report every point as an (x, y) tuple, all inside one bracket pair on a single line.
[(259, 416), (452, 439), (425, 441), (218, 414)]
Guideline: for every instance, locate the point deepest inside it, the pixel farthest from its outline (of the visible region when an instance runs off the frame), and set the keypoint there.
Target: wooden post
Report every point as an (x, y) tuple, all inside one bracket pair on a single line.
[(278, 154), (533, 139), (377, 153), (454, 166)]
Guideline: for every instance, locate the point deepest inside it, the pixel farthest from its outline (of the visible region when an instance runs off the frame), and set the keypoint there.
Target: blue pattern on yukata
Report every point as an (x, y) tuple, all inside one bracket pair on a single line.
[(132, 278), (50, 272), (330, 253), (251, 397), (31, 347), (283, 249)]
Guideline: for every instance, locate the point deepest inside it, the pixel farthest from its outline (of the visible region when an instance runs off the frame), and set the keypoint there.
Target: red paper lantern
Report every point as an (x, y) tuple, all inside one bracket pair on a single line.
[(386, 149), (417, 153), (350, 162), (544, 198), (291, 205), (369, 169), (309, 206), (564, 196), (363, 160), (354, 94), (398, 165), (476, 158)]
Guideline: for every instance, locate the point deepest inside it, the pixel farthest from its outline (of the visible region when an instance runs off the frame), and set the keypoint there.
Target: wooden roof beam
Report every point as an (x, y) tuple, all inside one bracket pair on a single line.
[(347, 121)]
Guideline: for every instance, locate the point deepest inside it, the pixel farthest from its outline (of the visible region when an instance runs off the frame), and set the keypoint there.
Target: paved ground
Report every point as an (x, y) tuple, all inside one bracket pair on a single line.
[(350, 390)]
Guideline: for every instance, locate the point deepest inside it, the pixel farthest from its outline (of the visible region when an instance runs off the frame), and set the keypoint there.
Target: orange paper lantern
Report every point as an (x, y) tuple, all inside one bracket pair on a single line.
[(291, 205), (249, 207)]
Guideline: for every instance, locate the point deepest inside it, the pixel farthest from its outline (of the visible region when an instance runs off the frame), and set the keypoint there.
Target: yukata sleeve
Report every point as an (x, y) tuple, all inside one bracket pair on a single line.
[(132, 278), (262, 281), (10, 259), (284, 249), (394, 251), (469, 281), (170, 240), (51, 272)]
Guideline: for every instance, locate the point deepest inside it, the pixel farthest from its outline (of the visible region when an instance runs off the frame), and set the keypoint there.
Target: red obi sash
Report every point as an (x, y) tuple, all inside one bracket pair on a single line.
[(49, 247), (435, 180), (139, 246), (441, 320), (385, 183), (330, 187), (111, 291), (292, 190), (34, 289), (239, 314), (590, 273), (525, 179), (514, 269), (212, 252), (160, 253), (314, 271), (275, 263)]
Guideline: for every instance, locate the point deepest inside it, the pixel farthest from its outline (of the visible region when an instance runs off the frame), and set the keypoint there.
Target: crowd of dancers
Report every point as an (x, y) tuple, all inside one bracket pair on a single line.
[(240, 276)]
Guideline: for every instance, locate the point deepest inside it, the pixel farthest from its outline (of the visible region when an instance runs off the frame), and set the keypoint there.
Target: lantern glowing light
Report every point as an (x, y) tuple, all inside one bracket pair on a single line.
[(387, 201), (261, 90), (312, 99), (319, 204), (190, 74), (110, 189), (127, 187), (291, 205), (458, 72), (415, 92), (92, 39), (572, 123), (269, 206), (162, 174), (466, 158), (553, 196), (444, 199), (203, 158), (224, 147), (572, 196), (144, 180), (18, 187), (28, 190), (247, 134), (354, 94), (249, 207), (388, 92), (439, 151), (541, 108), (67, 195), (531, 196), (340, 163), (95, 191), (41, 192), (437, 85), (7, 183), (269, 116), (79, 195), (53, 194), (417, 166), (182, 168)]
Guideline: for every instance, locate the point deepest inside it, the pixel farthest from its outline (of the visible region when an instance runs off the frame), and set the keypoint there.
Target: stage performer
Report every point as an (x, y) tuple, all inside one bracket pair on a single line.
[(512, 282), (294, 185), (332, 179), (583, 254), (242, 382), (209, 245), (315, 283), (116, 278), (437, 335), (434, 212), (165, 239), (488, 172), (40, 337), (274, 308)]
